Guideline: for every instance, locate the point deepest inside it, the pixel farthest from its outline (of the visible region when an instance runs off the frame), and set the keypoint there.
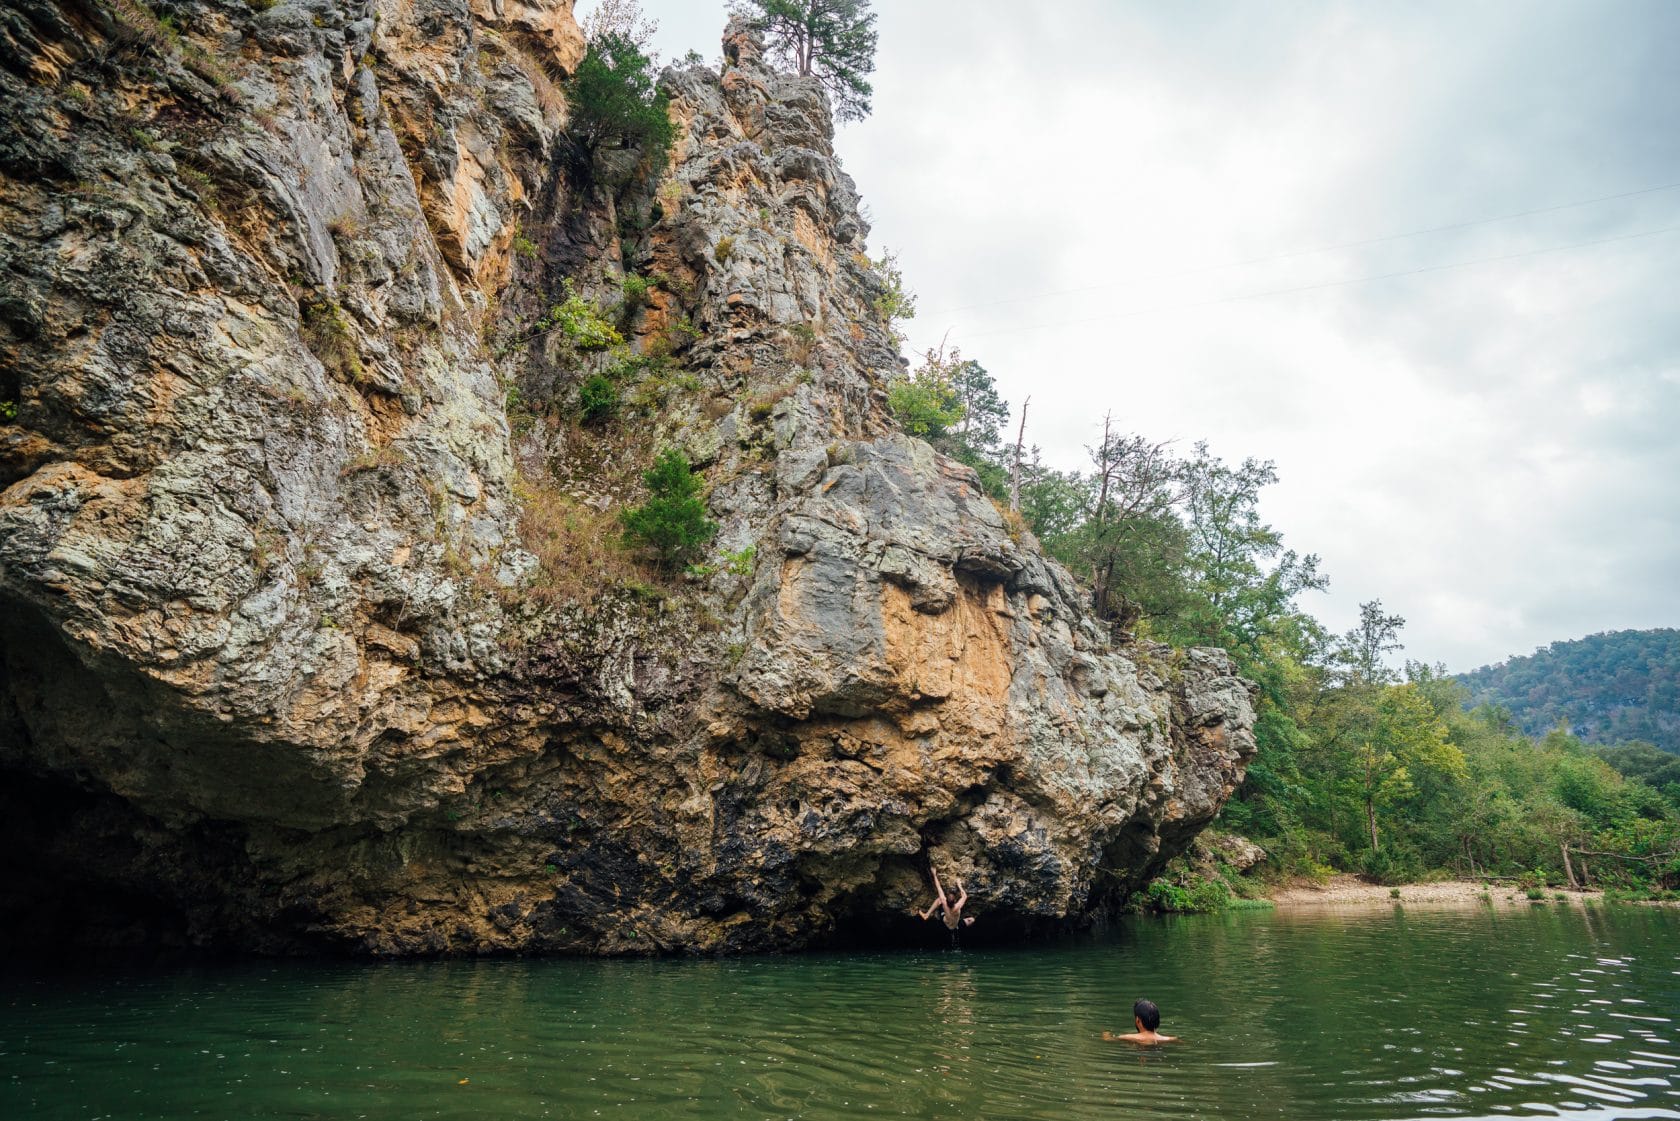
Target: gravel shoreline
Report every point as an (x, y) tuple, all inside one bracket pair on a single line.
[(1350, 891)]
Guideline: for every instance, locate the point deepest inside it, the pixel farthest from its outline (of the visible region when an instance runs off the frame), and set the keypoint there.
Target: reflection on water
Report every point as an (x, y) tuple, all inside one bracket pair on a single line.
[(1479, 1013)]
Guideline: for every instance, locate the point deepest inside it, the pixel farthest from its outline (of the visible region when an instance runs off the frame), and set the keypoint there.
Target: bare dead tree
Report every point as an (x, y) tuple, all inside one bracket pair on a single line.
[(1015, 470)]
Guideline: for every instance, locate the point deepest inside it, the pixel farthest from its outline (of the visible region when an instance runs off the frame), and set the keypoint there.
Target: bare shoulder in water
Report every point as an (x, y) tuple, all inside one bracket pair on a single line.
[(1146, 1017), (1142, 1039)]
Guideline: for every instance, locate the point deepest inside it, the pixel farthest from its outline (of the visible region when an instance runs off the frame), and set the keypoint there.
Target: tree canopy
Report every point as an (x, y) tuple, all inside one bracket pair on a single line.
[(926, 401), (616, 103), (1609, 688), (1356, 769), (831, 40)]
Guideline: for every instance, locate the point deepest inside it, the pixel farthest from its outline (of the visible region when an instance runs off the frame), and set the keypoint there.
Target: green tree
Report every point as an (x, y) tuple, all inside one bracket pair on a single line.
[(615, 103), (1055, 505), (831, 40), (1381, 737), (925, 402), (1239, 593), (1393, 741), (1283, 789), (894, 303), (978, 436), (1132, 543), (672, 523), (1361, 650)]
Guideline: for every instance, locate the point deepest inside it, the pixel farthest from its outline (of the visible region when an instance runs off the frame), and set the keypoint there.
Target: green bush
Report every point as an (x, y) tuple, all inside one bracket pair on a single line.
[(925, 408), (740, 563), (581, 324), (1390, 866), (672, 523), (1199, 897), (894, 303), (927, 402), (327, 333), (615, 103), (1250, 905), (597, 399)]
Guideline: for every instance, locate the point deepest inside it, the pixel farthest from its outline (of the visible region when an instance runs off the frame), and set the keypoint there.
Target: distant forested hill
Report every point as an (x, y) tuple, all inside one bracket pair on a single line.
[(1613, 687)]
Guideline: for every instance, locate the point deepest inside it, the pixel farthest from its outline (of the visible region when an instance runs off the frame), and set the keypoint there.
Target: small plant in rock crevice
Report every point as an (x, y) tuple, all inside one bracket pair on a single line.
[(672, 524), (327, 332), (597, 399)]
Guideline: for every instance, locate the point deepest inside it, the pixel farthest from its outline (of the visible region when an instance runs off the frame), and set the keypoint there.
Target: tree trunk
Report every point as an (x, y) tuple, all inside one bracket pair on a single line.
[(1015, 474), (1370, 798), (1105, 469), (1568, 869)]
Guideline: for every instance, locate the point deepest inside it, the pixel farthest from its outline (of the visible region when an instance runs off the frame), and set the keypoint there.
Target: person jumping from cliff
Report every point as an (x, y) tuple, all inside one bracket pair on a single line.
[(1146, 1017), (952, 912)]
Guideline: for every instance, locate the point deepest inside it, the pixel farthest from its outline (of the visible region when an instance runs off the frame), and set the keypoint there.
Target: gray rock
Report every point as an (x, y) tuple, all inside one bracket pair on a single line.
[(275, 653)]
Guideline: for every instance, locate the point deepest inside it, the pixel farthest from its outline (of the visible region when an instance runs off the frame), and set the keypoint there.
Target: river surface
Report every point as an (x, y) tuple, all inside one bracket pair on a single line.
[(1481, 1012)]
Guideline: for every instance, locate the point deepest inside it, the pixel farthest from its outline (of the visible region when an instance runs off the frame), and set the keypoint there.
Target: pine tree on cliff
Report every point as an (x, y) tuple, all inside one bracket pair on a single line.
[(672, 524), (831, 40)]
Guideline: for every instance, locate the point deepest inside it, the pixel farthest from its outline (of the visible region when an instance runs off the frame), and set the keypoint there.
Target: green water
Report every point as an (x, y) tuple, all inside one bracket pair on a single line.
[(1389, 1015)]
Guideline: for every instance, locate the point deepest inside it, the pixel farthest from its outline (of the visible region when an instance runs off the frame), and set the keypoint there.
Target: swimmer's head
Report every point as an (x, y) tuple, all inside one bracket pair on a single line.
[(1147, 1015)]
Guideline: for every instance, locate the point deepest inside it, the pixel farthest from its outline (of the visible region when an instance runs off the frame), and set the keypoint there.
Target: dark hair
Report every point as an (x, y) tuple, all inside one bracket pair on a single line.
[(1147, 1014)]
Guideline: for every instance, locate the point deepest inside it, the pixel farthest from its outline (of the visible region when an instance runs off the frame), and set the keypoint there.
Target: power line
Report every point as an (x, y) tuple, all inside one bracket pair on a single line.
[(1305, 252), (1326, 284)]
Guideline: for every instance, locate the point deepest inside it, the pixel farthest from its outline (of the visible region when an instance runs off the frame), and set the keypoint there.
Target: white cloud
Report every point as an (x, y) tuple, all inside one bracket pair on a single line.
[(1488, 448)]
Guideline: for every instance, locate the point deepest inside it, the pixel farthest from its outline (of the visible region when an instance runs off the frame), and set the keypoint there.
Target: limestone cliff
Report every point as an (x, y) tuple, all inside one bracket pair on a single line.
[(281, 665)]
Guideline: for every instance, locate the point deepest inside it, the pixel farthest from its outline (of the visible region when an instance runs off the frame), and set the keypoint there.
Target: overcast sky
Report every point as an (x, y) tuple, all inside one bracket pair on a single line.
[(1223, 221)]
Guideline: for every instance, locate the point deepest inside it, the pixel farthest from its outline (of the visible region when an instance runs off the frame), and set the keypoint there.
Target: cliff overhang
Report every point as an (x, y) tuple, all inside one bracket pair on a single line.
[(277, 668)]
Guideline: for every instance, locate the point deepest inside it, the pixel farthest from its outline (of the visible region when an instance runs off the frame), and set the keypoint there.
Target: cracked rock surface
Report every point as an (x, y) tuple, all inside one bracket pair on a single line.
[(276, 672)]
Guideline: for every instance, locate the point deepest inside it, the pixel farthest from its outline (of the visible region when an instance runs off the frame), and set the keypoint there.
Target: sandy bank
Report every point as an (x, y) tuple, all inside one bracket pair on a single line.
[(1350, 891)]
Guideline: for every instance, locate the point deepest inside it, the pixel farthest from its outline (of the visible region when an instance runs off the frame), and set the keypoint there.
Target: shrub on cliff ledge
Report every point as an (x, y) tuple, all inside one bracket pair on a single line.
[(894, 303), (926, 403), (672, 523), (615, 104), (597, 399)]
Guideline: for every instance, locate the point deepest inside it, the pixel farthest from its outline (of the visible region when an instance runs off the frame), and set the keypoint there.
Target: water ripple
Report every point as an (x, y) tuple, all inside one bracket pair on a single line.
[(1384, 1016)]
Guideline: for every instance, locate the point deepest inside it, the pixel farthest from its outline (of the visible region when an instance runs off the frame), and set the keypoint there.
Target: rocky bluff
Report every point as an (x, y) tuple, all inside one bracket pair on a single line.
[(281, 664)]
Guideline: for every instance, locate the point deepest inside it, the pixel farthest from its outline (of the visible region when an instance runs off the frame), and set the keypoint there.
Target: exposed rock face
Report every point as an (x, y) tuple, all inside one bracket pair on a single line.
[(272, 670)]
